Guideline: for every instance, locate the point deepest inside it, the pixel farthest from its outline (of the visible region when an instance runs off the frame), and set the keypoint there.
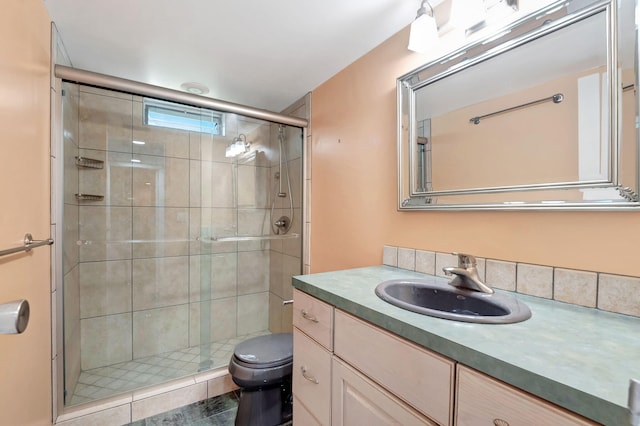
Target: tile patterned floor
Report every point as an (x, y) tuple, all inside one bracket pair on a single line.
[(104, 382), (219, 411)]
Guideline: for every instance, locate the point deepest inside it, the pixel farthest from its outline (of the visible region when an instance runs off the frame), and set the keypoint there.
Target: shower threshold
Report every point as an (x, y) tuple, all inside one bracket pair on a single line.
[(104, 382)]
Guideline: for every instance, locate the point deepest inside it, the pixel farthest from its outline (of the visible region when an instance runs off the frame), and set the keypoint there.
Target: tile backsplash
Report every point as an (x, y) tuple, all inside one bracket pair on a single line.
[(608, 292)]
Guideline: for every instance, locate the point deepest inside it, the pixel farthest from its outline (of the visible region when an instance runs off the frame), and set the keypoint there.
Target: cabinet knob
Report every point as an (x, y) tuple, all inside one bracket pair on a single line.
[(312, 379), (500, 422), (308, 316)]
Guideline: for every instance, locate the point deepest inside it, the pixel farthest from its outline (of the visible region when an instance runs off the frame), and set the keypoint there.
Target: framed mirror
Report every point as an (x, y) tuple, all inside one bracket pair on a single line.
[(538, 115)]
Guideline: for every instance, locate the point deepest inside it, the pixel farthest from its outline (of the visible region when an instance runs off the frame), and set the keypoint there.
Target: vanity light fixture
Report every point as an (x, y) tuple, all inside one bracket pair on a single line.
[(424, 30), (238, 145), (468, 15), (474, 15)]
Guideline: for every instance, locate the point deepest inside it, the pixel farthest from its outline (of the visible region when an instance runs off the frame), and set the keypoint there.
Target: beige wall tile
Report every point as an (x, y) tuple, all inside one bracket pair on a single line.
[(293, 247), (425, 262), (407, 259), (295, 170), (105, 228), (105, 340), (160, 181), (221, 184), (500, 274), (535, 280), (619, 294), (105, 122), (105, 288), (220, 276), (221, 314), (160, 330), (220, 386), (71, 235), (254, 222), (291, 266), (253, 313), (71, 325), (253, 187), (276, 273), (390, 256), (160, 282), (161, 224), (167, 401), (113, 416), (577, 287), (275, 313), (253, 272)]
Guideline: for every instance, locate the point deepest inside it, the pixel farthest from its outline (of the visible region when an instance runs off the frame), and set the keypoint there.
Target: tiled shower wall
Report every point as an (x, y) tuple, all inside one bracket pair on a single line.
[(124, 299), (285, 255)]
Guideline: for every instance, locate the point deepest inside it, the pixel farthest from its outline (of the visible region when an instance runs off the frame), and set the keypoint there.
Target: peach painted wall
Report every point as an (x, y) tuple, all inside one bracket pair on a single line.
[(354, 192), (25, 359)]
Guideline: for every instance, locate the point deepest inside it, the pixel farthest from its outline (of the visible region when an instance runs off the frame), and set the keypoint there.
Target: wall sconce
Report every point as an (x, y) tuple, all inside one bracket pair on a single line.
[(424, 31), (238, 145)]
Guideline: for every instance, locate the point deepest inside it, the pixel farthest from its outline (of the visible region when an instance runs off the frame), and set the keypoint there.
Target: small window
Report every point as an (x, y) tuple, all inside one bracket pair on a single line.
[(183, 117)]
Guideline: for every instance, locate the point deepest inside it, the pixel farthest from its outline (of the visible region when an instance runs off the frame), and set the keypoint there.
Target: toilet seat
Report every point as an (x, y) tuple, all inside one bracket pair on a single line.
[(271, 350), (262, 361)]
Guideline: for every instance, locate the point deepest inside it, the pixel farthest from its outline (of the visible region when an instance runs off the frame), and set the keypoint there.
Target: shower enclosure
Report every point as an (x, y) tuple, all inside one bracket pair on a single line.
[(173, 250)]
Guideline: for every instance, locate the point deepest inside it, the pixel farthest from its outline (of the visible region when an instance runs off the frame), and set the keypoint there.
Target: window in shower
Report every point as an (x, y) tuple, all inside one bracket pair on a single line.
[(182, 117)]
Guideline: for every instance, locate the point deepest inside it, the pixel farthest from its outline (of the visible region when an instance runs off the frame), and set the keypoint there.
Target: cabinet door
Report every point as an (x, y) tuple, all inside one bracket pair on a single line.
[(302, 416), (482, 400), (420, 377), (311, 376), (358, 401)]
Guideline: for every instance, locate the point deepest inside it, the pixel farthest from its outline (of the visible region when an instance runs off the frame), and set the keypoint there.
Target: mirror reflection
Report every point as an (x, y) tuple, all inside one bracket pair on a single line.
[(527, 120)]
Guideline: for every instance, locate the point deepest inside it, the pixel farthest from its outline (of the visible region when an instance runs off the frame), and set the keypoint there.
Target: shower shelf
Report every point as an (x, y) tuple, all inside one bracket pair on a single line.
[(89, 163), (89, 197)]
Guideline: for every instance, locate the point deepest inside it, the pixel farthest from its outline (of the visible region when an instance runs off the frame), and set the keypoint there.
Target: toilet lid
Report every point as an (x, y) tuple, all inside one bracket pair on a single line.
[(269, 350)]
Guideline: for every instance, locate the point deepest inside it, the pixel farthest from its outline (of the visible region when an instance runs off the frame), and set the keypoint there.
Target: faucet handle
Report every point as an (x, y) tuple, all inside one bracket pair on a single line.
[(465, 260)]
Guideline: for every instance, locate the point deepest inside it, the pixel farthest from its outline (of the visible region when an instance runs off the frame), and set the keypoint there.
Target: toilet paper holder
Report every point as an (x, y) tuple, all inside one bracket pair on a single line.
[(14, 316)]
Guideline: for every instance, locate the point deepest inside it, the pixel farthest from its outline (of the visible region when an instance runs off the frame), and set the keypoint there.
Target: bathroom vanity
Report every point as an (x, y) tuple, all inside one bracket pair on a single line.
[(360, 360)]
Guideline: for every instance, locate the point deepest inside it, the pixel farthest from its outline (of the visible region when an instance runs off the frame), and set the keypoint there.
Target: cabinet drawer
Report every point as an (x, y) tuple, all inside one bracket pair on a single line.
[(482, 400), (314, 317), (358, 401), (417, 376), (311, 376)]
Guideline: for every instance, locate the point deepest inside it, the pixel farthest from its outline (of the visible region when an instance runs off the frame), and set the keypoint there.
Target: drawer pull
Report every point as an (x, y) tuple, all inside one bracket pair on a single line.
[(308, 377), (500, 422), (308, 316)]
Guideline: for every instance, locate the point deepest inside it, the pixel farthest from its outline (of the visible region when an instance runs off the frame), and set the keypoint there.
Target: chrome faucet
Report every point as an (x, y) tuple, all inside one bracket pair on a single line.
[(466, 274)]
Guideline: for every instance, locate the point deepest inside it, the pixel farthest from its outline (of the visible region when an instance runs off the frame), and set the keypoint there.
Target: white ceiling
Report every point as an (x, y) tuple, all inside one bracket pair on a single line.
[(265, 54)]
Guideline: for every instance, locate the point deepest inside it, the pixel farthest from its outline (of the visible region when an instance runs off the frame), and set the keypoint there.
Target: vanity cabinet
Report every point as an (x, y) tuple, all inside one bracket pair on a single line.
[(348, 372), (483, 400)]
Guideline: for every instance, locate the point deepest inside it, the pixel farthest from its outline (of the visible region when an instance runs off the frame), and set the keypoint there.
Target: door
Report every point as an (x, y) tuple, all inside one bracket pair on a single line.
[(25, 359)]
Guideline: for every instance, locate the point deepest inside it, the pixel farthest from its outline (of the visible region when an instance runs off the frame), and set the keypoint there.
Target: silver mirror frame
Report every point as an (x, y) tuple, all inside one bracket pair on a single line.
[(519, 33)]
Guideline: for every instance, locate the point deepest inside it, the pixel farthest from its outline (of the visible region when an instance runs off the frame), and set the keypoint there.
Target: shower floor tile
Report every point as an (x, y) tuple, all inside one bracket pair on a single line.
[(104, 382)]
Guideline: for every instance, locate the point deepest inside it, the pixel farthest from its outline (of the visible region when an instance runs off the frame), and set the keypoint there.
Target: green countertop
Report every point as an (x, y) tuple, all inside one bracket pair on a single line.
[(578, 358)]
